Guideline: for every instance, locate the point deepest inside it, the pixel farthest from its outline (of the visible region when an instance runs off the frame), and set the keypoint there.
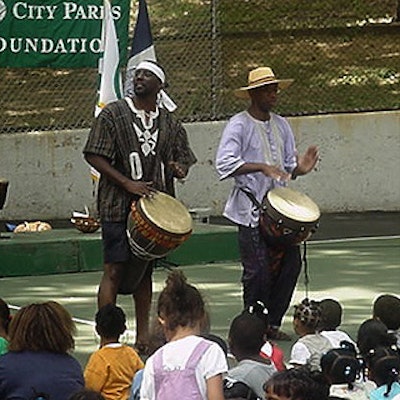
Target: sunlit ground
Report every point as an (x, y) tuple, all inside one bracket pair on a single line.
[(354, 272)]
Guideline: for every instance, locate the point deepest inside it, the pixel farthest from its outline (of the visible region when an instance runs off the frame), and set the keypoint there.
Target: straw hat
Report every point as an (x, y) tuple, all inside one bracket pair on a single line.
[(259, 77)]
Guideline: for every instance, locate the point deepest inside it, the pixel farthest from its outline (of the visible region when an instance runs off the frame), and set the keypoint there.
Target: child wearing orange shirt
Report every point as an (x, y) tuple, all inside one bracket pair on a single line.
[(110, 370)]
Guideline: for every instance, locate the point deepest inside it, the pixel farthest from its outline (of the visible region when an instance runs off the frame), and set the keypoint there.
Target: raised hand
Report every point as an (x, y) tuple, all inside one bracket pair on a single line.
[(307, 161)]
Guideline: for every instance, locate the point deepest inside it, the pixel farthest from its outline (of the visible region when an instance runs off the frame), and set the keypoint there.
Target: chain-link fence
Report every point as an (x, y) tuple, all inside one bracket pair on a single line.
[(343, 54)]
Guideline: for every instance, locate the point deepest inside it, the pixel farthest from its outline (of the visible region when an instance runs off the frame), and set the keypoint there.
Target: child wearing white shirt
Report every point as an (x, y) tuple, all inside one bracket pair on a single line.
[(187, 367)]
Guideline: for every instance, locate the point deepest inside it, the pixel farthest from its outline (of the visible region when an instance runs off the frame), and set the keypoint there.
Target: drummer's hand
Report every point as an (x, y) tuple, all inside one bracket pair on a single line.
[(140, 188), (308, 160), (179, 170), (275, 173)]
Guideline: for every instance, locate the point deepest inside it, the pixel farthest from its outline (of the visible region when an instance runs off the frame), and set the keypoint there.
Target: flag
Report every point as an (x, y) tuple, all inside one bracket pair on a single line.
[(142, 46), (110, 76), (143, 49)]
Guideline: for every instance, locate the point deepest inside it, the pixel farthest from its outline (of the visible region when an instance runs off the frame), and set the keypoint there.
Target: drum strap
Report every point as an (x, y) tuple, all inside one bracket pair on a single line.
[(305, 263), (253, 199)]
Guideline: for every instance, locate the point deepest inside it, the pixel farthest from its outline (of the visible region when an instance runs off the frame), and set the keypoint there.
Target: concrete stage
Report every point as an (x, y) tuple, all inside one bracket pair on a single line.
[(69, 250)]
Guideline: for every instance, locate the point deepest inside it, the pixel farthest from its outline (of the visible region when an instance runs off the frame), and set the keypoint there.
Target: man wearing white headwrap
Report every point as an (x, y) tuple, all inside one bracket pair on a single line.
[(163, 99), (138, 148)]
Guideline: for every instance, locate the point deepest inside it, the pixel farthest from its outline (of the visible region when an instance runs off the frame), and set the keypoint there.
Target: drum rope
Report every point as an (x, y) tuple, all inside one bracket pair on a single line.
[(141, 252), (306, 272)]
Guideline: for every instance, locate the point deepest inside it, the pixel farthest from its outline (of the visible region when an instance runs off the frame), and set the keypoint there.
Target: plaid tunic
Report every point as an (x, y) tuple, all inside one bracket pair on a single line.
[(117, 134)]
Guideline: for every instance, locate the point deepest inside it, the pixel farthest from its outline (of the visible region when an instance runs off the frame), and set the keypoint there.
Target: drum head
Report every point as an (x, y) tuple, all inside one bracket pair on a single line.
[(294, 205), (167, 213)]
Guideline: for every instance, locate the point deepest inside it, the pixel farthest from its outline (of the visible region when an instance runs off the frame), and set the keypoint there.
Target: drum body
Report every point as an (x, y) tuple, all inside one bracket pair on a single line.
[(288, 217), (157, 225)]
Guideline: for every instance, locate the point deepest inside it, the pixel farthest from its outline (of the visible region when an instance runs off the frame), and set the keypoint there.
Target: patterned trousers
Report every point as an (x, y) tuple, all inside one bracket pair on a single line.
[(270, 273)]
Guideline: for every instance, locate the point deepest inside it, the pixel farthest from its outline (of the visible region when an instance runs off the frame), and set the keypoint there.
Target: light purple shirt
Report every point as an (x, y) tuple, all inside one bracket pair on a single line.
[(242, 142)]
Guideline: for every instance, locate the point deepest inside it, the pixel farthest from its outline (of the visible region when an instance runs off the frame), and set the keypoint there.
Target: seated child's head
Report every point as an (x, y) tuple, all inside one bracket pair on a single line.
[(53, 326), (341, 366), (180, 304), (110, 321), (5, 317), (295, 384), (246, 335), (331, 315), (306, 317), (384, 366), (386, 308), (371, 334), (259, 310)]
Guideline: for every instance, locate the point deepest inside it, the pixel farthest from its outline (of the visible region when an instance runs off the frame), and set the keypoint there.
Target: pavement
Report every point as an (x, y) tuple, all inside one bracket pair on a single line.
[(352, 258)]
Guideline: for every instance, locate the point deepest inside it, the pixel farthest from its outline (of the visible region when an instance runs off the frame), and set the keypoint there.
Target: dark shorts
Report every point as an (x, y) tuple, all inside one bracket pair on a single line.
[(116, 250), (115, 242)]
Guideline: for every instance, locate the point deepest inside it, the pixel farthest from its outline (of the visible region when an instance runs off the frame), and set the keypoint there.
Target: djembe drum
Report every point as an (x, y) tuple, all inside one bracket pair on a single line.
[(156, 226), (288, 217)]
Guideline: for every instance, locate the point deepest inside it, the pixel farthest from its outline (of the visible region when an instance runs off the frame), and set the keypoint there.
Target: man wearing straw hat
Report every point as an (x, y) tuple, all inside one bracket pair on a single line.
[(138, 148), (258, 151)]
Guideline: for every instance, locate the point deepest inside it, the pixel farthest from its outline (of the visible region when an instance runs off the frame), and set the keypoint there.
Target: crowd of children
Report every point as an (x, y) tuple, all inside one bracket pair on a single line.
[(188, 362)]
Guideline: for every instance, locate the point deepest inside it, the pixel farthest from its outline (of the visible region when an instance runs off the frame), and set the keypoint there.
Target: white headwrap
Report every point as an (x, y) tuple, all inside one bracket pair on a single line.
[(164, 100)]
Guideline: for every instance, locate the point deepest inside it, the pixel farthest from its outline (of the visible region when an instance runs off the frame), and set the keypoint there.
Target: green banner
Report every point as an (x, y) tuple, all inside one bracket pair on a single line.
[(56, 33)]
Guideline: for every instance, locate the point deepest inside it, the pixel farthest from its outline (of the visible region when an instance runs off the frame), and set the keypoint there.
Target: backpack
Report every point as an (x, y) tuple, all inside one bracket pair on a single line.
[(238, 390)]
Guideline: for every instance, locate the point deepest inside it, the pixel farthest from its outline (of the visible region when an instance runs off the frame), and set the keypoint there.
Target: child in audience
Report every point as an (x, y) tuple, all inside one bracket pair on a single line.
[(342, 370), (157, 339), (371, 334), (386, 308), (246, 337), (295, 384), (307, 351), (38, 362), (383, 365), (111, 369), (188, 366), (5, 318), (269, 349), (330, 320)]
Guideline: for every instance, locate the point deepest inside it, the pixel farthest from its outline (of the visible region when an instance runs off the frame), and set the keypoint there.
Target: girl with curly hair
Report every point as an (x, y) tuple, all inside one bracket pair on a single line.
[(311, 345)]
